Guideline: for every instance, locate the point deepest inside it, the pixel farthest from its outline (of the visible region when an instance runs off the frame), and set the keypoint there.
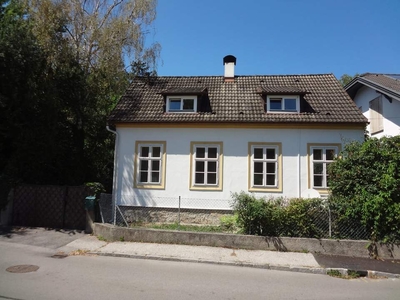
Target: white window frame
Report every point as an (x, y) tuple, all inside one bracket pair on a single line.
[(181, 98), (283, 97), (324, 163), (218, 171), (277, 160), (160, 184)]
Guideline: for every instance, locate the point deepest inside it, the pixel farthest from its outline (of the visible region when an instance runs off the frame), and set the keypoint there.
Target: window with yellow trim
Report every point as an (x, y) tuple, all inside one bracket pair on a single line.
[(206, 165), (150, 164), (320, 158), (264, 166)]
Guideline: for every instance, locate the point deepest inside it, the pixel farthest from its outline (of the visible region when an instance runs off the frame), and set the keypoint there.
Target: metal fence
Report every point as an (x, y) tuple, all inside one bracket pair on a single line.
[(321, 222)]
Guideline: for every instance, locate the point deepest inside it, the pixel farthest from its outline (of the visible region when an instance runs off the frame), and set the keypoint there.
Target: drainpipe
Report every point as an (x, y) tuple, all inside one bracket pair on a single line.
[(115, 179), (299, 164)]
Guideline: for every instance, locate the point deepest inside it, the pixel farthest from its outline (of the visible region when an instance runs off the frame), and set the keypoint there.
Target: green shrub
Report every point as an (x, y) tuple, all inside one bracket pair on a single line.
[(228, 223), (365, 186), (279, 217)]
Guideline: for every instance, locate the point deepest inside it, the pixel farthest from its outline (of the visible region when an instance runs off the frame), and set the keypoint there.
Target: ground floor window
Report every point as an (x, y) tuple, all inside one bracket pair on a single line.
[(150, 164), (206, 165), (320, 156), (264, 166)]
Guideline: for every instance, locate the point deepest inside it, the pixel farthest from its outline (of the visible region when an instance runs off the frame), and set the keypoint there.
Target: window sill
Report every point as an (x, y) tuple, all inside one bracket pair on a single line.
[(150, 186), (205, 188), (266, 189)]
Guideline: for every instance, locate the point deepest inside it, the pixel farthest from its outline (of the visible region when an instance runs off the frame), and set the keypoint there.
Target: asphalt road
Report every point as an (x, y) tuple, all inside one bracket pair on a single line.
[(98, 277)]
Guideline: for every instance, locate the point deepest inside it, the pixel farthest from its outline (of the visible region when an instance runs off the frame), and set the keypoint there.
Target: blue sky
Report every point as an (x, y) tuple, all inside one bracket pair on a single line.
[(278, 37)]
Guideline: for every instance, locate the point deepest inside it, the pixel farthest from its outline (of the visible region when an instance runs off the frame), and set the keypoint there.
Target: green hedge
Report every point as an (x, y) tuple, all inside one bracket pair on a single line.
[(279, 216)]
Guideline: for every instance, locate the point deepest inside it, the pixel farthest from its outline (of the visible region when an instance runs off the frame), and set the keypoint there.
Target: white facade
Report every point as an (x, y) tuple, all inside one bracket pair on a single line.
[(390, 113), (294, 165)]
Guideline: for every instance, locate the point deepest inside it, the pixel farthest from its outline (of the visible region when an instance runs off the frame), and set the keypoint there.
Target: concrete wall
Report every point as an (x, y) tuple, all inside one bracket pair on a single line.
[(324, 246), (235, 172), (390, 111)]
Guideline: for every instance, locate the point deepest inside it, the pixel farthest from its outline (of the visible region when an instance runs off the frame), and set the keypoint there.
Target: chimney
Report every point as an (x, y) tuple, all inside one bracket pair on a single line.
[(229, 63)]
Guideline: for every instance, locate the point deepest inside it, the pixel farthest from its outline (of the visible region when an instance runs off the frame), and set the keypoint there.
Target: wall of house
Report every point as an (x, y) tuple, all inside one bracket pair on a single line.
[(235, 162), (390, 111)]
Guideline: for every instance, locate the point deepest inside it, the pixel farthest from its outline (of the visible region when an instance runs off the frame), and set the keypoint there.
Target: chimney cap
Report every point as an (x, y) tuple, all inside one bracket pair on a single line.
[(229, 59)]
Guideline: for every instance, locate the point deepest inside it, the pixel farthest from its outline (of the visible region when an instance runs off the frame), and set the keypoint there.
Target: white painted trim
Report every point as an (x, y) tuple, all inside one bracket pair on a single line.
[(181, 97), (283, 97)]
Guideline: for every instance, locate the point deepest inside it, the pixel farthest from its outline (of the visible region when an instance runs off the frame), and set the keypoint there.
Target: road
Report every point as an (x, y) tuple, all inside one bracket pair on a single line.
[(99, 277)]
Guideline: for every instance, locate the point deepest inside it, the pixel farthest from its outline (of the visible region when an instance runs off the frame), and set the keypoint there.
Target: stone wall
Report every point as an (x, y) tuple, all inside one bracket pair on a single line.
[(140, 214)]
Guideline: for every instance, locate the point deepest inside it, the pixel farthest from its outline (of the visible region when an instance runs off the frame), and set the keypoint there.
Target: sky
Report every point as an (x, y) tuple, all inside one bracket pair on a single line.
[(278, 37)]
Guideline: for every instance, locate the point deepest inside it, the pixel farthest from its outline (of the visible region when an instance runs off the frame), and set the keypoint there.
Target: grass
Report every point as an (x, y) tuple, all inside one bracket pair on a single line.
[(181, 227), (350, 274)]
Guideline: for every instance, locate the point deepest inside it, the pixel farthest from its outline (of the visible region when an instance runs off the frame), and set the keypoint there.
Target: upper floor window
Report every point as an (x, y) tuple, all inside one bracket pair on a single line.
[(283, 103), (181, 103)]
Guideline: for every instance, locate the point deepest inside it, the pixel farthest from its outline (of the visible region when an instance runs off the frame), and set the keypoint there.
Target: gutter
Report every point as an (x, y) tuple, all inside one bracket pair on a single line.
[(115, 180)]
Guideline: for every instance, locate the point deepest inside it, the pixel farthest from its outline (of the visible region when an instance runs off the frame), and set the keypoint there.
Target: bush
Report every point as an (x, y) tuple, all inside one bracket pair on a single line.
[(279, 217), (365, 186)]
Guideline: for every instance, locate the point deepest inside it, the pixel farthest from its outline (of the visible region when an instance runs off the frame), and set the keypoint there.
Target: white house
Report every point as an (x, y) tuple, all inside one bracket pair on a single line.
[(205, 137), (378, 98)]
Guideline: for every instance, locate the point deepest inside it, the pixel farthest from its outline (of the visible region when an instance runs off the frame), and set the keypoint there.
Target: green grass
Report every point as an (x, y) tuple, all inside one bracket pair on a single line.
[(175, 226)]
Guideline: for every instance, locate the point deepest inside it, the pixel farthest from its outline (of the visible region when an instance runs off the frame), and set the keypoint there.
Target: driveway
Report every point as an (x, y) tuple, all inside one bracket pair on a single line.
[(41, 237)]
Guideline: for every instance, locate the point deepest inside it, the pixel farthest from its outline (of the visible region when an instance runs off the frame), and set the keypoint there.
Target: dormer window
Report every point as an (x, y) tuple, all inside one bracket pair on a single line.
[(285, 104), (182, 104)]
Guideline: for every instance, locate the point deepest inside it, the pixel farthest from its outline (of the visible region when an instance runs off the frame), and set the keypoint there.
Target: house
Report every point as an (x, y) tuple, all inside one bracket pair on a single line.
[(204, 137), (378, 98)]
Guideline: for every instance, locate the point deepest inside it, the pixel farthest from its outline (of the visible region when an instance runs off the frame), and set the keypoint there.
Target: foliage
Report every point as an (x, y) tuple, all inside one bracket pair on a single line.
[(276, 217), (345, 78), (63, 67), (228, 223), (365, 185)]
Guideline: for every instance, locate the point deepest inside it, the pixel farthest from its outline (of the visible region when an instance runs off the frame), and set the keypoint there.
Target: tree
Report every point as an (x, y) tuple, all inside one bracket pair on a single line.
[(345, 78), (365, 185), (62, 71)]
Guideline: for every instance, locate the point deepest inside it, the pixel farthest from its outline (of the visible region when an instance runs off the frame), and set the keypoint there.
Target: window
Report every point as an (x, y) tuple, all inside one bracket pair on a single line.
[(265, 167), (320, 158), (206, 165), (375, 115), (283, 103), (182, 104), (150, 164)]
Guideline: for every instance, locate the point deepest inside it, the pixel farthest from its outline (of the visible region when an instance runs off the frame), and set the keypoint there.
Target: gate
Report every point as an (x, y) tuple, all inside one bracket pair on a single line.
[(49, 206)]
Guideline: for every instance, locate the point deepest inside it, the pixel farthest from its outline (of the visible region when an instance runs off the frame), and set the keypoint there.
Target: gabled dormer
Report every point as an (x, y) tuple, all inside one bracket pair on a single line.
[(282, 99), (185, 100)]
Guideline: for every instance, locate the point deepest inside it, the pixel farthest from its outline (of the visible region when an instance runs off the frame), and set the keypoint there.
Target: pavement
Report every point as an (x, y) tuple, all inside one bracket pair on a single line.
[(72, 242)]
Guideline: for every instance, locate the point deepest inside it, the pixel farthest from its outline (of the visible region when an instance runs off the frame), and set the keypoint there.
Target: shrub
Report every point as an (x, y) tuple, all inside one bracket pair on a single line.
[(279, 217), (365, 186)]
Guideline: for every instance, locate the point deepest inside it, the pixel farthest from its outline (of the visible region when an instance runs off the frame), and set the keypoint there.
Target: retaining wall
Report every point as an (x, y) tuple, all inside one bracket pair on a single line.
[(237, 241)]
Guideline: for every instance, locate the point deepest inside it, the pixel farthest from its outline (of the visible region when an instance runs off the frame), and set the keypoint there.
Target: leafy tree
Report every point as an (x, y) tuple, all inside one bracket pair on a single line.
[(62, 71), (345, 78), (365, 185)]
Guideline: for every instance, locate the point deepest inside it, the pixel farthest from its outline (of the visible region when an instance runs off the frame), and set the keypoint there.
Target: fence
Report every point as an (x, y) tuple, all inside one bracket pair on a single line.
[(322, 222), (49, 206)]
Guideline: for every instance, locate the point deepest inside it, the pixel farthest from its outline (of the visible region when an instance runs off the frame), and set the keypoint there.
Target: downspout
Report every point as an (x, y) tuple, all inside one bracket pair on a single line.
[(115, 179), (299, 164)]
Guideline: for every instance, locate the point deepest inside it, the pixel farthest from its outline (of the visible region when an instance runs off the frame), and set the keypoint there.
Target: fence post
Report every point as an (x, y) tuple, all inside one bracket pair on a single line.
[(179, 213), (330, 222)]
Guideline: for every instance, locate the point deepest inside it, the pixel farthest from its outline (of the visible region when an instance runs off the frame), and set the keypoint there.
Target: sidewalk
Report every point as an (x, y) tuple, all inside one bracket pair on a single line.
[(273, 260)]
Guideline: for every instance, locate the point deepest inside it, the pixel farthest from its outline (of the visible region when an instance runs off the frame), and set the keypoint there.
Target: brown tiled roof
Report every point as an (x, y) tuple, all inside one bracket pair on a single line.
[(323, 100), (384, 80), (389, 84)]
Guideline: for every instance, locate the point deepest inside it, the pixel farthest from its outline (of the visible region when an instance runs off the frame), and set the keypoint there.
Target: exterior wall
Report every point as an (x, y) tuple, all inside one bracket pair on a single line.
[(235, 172), (390, 111)]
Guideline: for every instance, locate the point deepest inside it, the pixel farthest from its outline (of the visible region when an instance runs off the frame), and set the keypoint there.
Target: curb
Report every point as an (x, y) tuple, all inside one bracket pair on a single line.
[(321, 271), (221, 263)]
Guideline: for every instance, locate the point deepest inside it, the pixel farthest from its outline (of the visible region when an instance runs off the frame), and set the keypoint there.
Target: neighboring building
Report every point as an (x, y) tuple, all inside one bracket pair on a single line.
[(378, 98), (205, 137)]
